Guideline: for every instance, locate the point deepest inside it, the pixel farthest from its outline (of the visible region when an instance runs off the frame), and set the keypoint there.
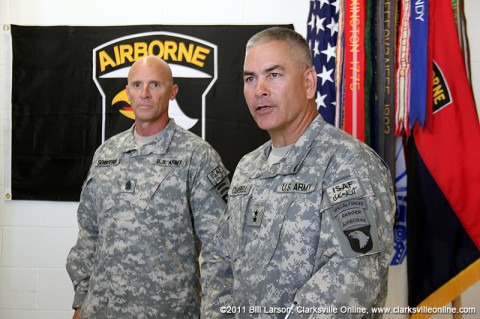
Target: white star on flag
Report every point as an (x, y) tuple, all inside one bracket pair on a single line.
[(333, 26), (325, 75), (320, 100), (323, 44), (329, 52)]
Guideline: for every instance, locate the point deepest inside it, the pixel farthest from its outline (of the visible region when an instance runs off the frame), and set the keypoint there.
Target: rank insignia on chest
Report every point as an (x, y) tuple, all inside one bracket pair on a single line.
[(254, 217), (128, 185)]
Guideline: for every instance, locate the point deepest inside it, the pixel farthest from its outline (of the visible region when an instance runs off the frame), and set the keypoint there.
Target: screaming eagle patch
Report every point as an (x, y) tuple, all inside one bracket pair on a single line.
[(355, 227)]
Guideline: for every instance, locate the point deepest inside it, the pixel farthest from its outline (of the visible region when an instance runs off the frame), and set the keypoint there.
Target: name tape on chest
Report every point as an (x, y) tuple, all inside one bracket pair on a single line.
[(346, 190), (169, 162), (107, 162), (240, 190), (295, 187)]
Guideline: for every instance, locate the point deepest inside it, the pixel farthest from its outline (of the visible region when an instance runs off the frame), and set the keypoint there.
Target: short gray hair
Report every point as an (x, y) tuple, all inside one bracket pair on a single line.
[(294, 40)]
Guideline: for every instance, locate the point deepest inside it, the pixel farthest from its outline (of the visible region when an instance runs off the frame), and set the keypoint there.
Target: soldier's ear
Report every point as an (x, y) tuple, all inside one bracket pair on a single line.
[(310, 79), (128, 93), (174, 92)]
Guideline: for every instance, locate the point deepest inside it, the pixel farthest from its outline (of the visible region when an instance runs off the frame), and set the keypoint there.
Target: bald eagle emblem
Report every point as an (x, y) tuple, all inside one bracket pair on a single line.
[(360, 239)]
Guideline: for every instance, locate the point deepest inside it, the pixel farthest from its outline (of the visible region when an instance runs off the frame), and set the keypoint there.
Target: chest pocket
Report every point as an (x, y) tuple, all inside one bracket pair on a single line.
[(165, 175), (265, 215), (132, 182)]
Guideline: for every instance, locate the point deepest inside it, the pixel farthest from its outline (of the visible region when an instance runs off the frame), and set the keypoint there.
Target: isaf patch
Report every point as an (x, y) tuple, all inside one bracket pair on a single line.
[(218, 179), (355, 227), (344, 190), (217, 175)]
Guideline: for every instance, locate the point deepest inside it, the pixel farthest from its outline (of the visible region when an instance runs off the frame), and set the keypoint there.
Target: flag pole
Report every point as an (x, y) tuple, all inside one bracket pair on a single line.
[(457, 304)]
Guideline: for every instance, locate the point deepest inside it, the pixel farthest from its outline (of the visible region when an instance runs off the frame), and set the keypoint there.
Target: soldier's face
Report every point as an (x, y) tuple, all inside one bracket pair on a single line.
[(274, 87), (149, 90)]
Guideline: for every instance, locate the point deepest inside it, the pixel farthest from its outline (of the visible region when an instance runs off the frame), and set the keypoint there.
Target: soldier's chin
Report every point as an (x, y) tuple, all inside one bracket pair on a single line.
[(266, 124)]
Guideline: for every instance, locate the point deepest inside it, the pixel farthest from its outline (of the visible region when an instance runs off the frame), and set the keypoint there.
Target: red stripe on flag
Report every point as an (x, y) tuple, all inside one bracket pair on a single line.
[(354, 123)]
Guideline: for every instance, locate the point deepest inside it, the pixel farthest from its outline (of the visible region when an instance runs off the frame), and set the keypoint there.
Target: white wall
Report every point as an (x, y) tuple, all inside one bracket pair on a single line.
[(35, 237)]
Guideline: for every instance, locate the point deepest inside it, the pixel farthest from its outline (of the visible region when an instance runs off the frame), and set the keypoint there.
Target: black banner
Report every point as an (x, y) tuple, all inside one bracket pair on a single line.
[(68, 96)]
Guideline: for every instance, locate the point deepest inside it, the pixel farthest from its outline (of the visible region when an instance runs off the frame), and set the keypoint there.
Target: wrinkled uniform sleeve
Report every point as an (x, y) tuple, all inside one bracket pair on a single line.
[(210, 185), (351, 284), (81, 259), (219, 280)]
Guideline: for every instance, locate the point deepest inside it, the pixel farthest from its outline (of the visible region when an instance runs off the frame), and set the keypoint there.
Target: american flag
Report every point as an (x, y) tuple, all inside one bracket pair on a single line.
[(322, 32)]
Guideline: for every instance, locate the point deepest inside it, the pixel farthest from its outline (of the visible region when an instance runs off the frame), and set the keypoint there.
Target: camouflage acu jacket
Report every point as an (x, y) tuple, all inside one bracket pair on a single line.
[(142, 216), (311, 234)]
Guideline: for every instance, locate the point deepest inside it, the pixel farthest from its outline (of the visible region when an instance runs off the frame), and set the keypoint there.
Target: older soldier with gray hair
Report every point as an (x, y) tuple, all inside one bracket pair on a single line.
[(308, 228), (148, 204)]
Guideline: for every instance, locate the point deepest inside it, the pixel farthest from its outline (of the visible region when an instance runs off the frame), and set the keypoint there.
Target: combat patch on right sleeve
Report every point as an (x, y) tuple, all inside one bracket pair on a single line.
[(355, 227)]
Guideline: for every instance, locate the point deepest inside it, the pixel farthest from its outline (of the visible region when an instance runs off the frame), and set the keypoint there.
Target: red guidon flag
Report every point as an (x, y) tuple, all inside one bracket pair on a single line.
[(354, 121), (449, 151), (451, 147)]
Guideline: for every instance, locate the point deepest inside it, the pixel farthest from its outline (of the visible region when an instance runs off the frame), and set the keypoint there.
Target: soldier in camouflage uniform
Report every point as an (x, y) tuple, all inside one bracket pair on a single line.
[(307, 232), (150, 200)]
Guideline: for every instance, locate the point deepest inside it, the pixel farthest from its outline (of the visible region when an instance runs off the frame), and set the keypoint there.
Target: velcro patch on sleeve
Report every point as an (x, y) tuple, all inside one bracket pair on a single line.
[(218, 178), (355, 227), (222, 188), (217, 175), (345, 190)]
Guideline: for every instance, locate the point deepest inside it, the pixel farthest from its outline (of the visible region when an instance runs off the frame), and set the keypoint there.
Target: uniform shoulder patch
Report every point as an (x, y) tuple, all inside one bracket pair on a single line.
[(218, 178), (345, 190), (216, 175), (355, 227)]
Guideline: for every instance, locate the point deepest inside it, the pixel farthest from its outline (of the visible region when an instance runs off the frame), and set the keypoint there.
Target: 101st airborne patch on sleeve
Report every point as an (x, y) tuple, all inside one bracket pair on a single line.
[(352, 219)]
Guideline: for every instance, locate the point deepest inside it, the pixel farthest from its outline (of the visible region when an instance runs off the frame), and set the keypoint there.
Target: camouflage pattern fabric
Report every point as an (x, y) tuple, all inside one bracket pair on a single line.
[(142, 216), (312, 233)]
